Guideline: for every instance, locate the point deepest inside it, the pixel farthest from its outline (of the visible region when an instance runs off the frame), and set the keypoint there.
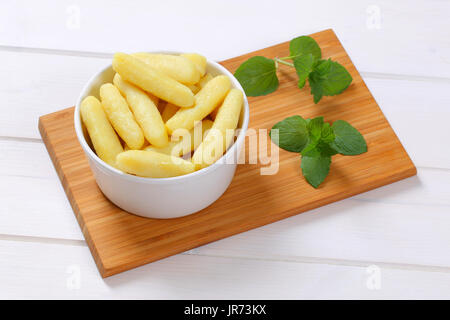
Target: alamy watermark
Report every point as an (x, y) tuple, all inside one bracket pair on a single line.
[(254, 147), (373, 20), (73, 281), (73, 17), (373, 280)]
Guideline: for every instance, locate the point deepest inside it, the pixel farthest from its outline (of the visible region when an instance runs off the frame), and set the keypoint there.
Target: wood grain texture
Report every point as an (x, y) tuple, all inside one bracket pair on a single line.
[(120, 241)]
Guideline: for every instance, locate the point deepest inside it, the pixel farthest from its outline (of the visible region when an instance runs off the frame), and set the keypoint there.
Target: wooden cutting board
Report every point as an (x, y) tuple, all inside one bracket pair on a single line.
[(120, 241)]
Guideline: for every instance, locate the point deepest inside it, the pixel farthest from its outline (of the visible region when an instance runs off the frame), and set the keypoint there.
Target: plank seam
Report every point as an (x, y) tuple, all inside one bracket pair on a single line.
[(74, 205), (43, 240), (106, 55), (334, 261), (274, 258), (403, 77), (59, 52), (21, 139)]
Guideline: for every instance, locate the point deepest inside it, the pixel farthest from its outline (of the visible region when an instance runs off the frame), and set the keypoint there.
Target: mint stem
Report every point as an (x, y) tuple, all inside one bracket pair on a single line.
[(283, 62), (287, 58)]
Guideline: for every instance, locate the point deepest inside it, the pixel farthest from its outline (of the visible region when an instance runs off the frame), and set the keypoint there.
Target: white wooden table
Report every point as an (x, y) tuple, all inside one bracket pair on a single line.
[(393, 242)]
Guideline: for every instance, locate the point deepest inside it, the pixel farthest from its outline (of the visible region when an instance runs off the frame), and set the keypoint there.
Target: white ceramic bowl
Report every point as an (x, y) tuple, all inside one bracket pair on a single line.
[(162, 198)]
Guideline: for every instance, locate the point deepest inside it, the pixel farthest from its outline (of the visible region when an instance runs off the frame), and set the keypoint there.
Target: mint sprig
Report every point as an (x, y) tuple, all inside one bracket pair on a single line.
[(317, 141), (258, 75)]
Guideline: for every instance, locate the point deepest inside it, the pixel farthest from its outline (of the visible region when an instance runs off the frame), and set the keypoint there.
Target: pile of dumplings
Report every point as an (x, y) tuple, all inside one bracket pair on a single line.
[(162, 115)]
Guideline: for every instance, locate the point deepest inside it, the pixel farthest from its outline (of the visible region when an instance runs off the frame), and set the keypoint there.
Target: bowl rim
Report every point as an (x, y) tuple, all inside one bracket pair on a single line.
[(93, 156)]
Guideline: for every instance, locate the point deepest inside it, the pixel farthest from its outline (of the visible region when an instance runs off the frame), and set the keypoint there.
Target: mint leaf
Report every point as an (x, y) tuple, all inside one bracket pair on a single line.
[(320, 136), (315, 128), (257, 76), (328, 78), (315, 132), (325, 149), (319, 149), (304, 45), (292, 134), (348, 141), (315, 168), (303, 66), (304, 51), (327, 134)]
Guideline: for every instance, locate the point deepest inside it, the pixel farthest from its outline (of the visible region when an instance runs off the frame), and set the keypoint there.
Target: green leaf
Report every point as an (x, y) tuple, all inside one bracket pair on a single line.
[(326, 149), (318, 149), (304, 51), (303, 66), (257, 76), (327, 134), (292, 134), (328, 78), (304, 45), (317, 142), (315, 168), (320, 136), (314, 130), (348, 141)]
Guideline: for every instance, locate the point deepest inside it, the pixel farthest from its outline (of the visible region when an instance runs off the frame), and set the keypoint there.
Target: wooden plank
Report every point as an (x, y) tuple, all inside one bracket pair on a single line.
[(403, 222), (131, 241), (379, 34), (40, 85), (415, 110), (415, 208), (340, 231), (26, 172), (47, 271), (34, 83)]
